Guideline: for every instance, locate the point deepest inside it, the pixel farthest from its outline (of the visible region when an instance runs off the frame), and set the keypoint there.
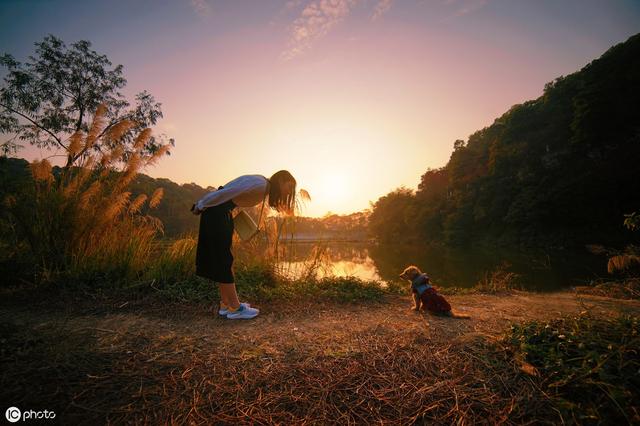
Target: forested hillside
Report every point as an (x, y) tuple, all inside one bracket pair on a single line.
[(562, 168), (175, 208)]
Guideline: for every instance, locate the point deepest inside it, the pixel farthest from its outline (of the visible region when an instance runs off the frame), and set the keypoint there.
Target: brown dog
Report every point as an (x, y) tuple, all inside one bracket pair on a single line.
[(424, 294)]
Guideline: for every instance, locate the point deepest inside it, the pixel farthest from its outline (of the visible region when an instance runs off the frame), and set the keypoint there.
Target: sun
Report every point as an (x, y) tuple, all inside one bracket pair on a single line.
[(334, 187)]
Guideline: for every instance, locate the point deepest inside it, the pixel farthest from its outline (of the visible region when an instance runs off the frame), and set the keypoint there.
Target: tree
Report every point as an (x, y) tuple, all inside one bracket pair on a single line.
[(57, 92), (558, 169), (391, 216)]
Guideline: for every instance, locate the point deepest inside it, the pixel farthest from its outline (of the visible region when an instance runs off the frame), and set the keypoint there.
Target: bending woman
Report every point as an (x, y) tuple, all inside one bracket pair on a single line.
[(213, 255)]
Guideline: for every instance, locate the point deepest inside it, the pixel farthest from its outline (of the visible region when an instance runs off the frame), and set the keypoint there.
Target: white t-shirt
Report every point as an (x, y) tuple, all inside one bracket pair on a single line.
[(245, 191)]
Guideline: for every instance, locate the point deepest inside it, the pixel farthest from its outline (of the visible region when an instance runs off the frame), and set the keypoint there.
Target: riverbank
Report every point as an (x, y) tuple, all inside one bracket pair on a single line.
[(114, 359)]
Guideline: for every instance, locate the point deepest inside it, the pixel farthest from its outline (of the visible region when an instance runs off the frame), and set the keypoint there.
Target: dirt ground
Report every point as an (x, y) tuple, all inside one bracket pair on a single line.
[(124, 362)]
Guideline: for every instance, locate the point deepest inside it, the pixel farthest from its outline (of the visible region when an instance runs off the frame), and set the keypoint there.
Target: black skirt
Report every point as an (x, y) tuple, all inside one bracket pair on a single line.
[(213, 254)]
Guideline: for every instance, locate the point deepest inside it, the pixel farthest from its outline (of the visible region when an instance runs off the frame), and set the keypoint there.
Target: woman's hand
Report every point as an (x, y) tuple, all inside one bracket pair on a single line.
[(195, 210)]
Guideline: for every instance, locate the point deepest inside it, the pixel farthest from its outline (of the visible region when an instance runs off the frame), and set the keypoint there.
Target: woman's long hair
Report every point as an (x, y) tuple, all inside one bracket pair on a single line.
[(279, 199)]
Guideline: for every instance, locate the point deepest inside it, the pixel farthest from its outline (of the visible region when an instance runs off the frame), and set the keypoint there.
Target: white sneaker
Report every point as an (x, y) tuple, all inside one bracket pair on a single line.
[(224, 309), (243, 312)]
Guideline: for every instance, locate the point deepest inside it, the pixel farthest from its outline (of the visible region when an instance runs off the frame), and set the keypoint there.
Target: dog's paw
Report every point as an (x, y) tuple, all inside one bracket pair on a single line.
[(413, 308)]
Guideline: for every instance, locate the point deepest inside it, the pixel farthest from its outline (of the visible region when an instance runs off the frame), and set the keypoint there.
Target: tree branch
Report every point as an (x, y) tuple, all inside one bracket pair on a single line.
[(8, 108)]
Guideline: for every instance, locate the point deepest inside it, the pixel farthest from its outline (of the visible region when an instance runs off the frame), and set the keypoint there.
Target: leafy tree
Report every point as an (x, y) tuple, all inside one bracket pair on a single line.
[(559, 169), (391, 216), (56, 93)]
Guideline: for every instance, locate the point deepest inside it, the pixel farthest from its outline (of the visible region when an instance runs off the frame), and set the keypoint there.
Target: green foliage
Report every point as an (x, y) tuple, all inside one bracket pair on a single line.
[(174, 211), (389, 220), (334, 289), (333, 227), (173, 264), (189, 289), (588, 366), (259, 282), (560, 168), (632, 221), (343, 289), (56, 94)]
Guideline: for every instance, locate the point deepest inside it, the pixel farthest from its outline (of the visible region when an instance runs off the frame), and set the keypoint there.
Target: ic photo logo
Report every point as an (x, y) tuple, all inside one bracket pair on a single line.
[(13, 415)]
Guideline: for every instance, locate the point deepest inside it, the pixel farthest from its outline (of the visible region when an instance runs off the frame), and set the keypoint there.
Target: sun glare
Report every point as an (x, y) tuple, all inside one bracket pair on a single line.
[(334, 186)]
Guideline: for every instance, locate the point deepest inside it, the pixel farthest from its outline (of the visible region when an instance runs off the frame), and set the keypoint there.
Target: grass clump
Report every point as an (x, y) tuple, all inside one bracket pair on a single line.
[(175, 263), (80, 223), (499, 281), (618, 289), (337, 289), (262, 283), (588, 366)]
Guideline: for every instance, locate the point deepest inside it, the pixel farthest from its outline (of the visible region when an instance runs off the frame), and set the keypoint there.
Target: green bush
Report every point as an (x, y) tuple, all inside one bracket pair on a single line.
[(588, 366)]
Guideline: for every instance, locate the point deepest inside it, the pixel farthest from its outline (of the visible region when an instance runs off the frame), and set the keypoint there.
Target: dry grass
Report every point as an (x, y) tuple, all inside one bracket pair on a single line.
[(81, 221), (623, 263), (311, 363), (622, 289), (375, 377), (499, 280)]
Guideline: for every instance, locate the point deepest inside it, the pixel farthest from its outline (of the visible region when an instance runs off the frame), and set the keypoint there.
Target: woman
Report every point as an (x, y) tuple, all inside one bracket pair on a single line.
[(213, 255)]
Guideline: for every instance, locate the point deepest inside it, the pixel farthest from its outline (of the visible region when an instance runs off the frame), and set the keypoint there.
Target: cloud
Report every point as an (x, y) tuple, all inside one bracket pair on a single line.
[(292, 4), (381, 8), (314, 22), (202, 8), (464, 7)]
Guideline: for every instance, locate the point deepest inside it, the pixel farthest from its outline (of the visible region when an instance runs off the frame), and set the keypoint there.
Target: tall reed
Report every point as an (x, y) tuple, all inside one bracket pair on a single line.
[(79, 222)]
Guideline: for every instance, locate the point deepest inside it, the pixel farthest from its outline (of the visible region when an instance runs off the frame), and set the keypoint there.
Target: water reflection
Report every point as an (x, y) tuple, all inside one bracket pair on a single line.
[(538, 270)]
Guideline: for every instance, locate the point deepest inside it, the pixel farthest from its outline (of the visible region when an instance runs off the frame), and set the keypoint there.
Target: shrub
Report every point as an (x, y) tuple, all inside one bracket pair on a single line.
[(80, 222), (588, 366)]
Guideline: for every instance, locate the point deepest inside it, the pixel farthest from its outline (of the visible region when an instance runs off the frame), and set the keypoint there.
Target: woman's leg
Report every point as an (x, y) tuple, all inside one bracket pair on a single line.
[(229, 295)]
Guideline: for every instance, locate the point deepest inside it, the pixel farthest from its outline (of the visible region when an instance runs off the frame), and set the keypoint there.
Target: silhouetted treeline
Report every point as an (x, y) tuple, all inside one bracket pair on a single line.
[(175, 208), (352, 226), (563, 168)]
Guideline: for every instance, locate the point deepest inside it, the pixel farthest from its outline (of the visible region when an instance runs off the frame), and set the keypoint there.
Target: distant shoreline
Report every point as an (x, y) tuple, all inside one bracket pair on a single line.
[(327, 240)]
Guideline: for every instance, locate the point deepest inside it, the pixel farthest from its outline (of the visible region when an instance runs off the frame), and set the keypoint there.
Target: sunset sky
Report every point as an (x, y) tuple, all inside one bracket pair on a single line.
[(354, 97)]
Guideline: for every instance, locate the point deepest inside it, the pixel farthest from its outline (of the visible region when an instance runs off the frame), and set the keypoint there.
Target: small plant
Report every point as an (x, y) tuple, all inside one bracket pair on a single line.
[(588, 366)]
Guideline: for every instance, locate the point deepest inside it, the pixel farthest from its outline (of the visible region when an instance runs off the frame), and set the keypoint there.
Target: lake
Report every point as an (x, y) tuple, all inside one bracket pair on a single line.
[(541, 270)]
